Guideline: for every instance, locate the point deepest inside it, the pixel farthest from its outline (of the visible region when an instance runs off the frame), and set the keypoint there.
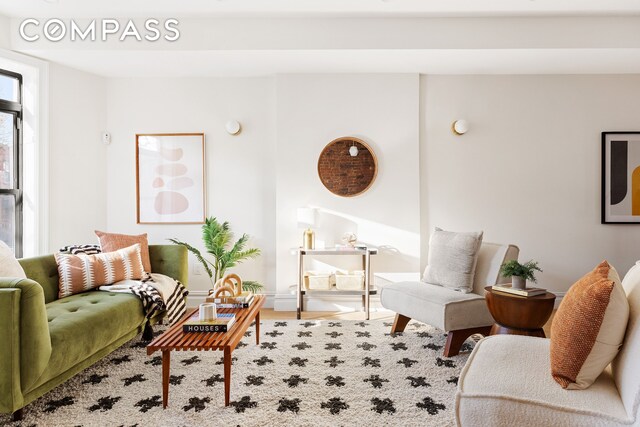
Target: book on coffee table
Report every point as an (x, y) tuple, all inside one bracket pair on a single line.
[(222, 323), (528, 292), (243, 298), (234, 304)]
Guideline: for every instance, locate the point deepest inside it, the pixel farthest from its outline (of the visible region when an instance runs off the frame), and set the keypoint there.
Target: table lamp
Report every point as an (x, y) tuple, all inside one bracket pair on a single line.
[(307, 219)]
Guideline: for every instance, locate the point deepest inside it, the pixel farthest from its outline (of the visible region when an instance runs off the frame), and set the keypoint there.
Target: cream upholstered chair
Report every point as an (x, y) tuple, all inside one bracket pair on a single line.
[(460, 314), (507, 381)]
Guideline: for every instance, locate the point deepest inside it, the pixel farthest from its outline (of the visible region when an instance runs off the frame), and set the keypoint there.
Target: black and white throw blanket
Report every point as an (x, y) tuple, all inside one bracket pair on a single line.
[(158, 293)]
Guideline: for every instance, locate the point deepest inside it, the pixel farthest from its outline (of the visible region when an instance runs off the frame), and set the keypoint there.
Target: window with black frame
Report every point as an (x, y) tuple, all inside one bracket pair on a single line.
[(11, 160)]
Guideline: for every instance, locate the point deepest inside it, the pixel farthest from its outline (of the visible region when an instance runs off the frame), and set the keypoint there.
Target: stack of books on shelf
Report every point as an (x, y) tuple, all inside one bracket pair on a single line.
[(528, 292), (243, 300), (222, 323)]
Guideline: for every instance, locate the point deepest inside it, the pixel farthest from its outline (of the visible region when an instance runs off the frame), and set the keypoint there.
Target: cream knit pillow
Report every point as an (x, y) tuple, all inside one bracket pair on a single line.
[(9, 265), (588, 328)]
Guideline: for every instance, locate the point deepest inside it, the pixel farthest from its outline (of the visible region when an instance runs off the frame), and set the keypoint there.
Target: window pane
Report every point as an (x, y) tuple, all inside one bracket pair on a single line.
[(9, 88), (8, 220), (6, 150)]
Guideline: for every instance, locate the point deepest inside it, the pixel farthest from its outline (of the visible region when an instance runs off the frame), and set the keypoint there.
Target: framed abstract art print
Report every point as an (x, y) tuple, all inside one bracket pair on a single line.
[(620, 178)]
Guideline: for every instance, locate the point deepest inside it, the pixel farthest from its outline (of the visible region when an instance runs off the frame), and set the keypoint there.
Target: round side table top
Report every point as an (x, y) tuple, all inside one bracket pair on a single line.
[(515, 314)]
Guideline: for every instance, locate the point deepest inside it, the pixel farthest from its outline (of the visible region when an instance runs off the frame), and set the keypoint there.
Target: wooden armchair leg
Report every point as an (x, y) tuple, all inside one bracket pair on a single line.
[(399, 323), (17, 415), (455, 339)]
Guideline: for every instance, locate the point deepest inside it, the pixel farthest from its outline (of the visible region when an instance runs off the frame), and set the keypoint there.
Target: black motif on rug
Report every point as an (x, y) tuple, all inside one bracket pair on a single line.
[(446, 363), (308, 324), (368, 361), (334, 334), (294, 380), (197, 404), (274, 334), (334, 405), (363, 334), (387, 324), (292, 405), (466, 347), (418, 381), (398, 346), (244, 404), (212, 380), (247, 334), (138, 378), (375, 381), (407, 362), (221, 360), (334, 361), (366, 346), (298, 362), (301, 346), (156, 361), (304, 334), (335, 324), (336, 381), (453, 380), (176, 379), (432, 407), (120, 360), (281, 324), (362, 324), (191, 361), (104, 404), (382, 405), (268, 345), (147, 404), (424, 334), (333, 346), (254, 380), (54, 405), (395, 334), (95, 379), (242, 344), (262, 361), (432, 346)]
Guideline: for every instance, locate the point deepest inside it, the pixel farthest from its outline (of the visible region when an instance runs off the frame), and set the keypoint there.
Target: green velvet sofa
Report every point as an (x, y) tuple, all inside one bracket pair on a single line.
[(44, 340)]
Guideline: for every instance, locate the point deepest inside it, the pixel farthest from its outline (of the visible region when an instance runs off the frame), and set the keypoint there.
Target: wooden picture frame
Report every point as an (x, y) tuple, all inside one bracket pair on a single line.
[(620, 192), (170, 178)]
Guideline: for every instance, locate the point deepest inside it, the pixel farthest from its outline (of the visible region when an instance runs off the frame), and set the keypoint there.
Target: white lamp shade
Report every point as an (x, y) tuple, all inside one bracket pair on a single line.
[(353, 151), (232, 127), (306, 217), (460, 127)]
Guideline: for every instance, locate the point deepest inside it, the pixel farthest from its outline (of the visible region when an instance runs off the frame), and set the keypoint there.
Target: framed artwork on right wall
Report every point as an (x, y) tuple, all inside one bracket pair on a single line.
[(620, 178)]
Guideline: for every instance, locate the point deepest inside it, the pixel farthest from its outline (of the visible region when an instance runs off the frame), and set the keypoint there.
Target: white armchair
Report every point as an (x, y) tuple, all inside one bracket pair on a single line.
[(459, 314)]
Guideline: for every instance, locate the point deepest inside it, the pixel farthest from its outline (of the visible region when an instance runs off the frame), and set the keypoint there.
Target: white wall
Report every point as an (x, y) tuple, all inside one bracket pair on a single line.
[(382, 110), (528, 170), (240, 169), (77, 157), (5, 35)]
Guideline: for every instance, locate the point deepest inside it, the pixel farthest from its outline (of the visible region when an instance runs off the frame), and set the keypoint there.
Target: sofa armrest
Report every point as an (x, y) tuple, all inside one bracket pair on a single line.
[(24, 332), (170, 260)]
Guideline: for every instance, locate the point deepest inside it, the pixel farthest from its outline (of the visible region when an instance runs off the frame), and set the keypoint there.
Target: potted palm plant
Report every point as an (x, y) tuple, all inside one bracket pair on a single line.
[(520, 273), (217, 238)]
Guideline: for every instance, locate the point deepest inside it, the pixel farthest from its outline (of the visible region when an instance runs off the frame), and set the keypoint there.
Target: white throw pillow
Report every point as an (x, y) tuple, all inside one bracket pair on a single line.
[(452, 259), (9, 265)]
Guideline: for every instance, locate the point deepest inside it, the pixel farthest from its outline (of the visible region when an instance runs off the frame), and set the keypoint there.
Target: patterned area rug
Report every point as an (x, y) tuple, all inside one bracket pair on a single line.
[(304, 373)]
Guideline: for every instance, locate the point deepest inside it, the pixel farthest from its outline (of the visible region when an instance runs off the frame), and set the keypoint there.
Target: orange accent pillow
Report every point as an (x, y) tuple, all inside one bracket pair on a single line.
[(588, 328), (112, 242), (81, 273)]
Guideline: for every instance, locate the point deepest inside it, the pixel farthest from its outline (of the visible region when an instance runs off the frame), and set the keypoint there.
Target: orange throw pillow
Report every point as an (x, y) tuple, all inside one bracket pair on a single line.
[(81, 273), (112, 242), (588, 328)]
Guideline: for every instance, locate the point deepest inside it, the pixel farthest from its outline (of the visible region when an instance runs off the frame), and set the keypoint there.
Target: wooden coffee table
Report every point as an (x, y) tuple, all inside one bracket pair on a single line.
[(175, 339), (516, 315)]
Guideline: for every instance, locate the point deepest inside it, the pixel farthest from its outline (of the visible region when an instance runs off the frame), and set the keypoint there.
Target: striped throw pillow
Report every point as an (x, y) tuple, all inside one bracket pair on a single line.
[(81, 273)]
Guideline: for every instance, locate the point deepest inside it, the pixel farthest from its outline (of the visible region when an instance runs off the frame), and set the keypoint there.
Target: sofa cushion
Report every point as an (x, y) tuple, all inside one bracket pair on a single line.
[(452, 259), (112, 242), (588, 328), (83, 324), (9, 265), (507, 379), (437, 306)]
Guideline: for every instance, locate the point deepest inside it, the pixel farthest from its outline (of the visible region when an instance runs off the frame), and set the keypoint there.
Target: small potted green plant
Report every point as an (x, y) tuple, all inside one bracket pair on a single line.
[(520, 273)]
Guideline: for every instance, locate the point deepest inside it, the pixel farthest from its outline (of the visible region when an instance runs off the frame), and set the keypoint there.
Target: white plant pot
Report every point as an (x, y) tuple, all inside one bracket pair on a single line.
[(518, 282)]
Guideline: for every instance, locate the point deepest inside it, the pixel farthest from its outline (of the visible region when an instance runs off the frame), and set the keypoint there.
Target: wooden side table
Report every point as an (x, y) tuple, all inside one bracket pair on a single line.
[(516, 315)]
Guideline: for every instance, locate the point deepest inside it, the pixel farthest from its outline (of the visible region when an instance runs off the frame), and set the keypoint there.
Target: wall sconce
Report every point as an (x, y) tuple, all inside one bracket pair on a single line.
[(353, 150), (233, 127), (460, 127)]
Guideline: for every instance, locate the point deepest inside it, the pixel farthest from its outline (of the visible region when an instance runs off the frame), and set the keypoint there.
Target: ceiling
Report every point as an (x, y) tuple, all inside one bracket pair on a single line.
[(313, 8)]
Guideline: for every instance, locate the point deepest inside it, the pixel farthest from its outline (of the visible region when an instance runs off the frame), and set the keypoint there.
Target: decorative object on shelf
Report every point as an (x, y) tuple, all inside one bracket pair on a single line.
[(170, 185), (520, 273), (460, 127), (217, 238), (307, 219), (231, 285), (347, 166), (620, 195), (233, 127), (350, 239)]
